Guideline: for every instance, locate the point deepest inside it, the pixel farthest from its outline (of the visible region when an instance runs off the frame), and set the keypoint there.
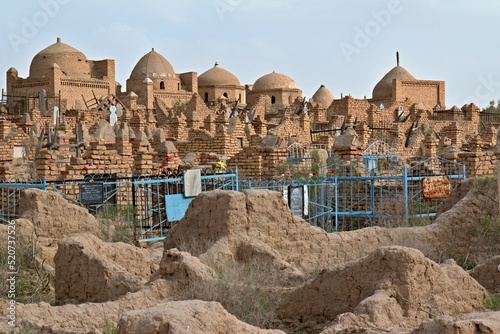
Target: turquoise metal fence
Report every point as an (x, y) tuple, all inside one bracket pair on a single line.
[(372, 190), (10, 191)]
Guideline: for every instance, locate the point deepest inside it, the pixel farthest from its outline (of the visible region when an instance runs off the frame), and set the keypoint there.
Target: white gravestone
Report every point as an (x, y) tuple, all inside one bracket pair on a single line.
[(113, 117), (56, 114), (119, 110)]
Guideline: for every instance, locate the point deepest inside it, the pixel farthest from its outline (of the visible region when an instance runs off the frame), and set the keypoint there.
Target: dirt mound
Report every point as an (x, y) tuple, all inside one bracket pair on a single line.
[(456, 195), (366, 288), (90, 270), (488, 274), (222, 225), (475, 323), (53, 216), (44, 318), (393, 288), (185, 316), (181, 266), (90, 260)]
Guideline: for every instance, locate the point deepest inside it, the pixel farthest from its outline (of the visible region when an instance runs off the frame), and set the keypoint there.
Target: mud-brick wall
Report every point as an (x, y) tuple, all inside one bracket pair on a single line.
[(249, 163), (479, 163), (350, 106)]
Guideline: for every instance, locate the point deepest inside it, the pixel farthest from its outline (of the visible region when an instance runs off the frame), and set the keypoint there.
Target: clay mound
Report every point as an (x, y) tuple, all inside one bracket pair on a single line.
[(221, 225), (181, 266), (53, 216), (44, 318), (488, 274), (192, 316), (392, 288), (474, 323), (177, 268), (90, 270), (224, 225), (456, 195)]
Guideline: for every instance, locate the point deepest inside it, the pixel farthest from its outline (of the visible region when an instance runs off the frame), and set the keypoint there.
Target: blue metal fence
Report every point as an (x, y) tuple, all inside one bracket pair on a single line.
[(10, 191), (372, 190)]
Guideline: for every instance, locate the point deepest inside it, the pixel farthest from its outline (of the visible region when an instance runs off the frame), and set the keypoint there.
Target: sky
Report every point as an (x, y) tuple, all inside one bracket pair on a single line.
[(348, 46)]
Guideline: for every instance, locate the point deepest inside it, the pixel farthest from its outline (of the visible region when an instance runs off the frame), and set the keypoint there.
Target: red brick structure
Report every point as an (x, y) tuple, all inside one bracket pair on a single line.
[(64, 72), (280, 88), (217, 83), (170, 120), (153, 77), (398, 85)]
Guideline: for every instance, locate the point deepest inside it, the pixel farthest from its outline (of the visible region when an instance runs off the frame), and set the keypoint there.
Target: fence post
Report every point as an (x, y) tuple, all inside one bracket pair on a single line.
[(405, 195), (133, 190), (372, 193), (237, 179), (336, 205)]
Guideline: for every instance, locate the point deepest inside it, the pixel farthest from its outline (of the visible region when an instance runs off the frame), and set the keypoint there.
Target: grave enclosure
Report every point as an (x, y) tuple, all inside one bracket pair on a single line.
[(374, 190)]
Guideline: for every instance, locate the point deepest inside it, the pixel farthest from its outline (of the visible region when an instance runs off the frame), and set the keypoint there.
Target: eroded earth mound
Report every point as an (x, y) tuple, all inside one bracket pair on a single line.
[(190, 316), (373, 280), (395, 288), (88, 269)]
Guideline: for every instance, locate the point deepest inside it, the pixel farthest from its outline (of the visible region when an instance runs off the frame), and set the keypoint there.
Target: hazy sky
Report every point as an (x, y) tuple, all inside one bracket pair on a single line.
[(346, 45)]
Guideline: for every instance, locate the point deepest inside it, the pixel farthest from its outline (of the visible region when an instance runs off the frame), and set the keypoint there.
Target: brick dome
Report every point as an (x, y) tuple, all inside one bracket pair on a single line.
[(152, 65), (71, 61), (383, 89), (323, 96), (273, 81), (217, 76)]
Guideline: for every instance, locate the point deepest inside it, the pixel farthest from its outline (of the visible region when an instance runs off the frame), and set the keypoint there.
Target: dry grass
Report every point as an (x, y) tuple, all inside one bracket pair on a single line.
[(485, 234), (391, 212), (117, 224), (33, 282), (250, 291), (193, 246)]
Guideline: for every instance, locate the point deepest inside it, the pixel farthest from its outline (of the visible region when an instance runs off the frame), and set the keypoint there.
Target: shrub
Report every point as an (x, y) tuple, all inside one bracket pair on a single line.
[(492, 302)]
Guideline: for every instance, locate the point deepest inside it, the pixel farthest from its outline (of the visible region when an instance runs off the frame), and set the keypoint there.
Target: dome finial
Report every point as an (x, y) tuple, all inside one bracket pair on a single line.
[(397, 58), (58, 39), (216, 64), (152, 49)]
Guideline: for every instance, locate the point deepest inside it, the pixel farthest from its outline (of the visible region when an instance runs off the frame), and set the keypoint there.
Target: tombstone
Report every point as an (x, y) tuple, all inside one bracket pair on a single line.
[(400, 112), (56, 114), (498, 164), (119, 110), (78, 105), (113, 117), (319, 158), (41, 101)]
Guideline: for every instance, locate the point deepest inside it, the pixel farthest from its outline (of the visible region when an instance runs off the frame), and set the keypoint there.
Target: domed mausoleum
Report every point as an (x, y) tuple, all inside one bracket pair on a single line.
[(383, 89), (323, 96), (399, 85), (154, 77), (280, 88), (218, 82), (61, 71)]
